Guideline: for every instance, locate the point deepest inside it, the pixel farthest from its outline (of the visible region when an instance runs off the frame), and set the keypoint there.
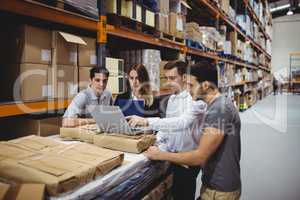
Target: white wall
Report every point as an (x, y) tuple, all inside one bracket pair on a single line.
[(286, 39)]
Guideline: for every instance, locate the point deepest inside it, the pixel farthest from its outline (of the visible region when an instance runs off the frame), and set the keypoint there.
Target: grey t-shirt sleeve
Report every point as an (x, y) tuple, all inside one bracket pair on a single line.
[(77, 106), (217, 118)]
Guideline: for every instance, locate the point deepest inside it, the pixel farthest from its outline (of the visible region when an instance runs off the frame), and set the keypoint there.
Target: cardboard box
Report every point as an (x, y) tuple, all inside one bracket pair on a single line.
[(110, 6), (139, 13), (224, 5), (37, 74), (100, 160), (172, 23), (116, 84), (233, 39), (84, 77), (18, 45), (22, 192), (163, 6), (58, 174), (132, 144), (16, 82), (66, 51), (150, 18), (67, 81), (61, 168), (24, 126), (127, 8), (115, 66), (83, 133), (162, 22), (87, 53), (31, 49), (31, 191), (34, 143), (12, 151), (4, 188)]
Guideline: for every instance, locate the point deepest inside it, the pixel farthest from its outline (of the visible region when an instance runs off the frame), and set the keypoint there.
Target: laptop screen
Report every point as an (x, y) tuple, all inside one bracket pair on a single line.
[(131, 107)]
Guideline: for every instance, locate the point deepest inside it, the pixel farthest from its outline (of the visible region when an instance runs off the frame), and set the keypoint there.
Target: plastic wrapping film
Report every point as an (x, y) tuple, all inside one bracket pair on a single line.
[(86, 7), (131, 168)]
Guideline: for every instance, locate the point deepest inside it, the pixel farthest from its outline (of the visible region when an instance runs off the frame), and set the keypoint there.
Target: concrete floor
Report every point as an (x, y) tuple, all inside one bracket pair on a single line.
[(270, 163)]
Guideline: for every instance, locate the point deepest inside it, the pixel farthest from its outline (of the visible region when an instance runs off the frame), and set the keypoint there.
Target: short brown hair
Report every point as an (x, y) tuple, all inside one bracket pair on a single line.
[(180, 65)]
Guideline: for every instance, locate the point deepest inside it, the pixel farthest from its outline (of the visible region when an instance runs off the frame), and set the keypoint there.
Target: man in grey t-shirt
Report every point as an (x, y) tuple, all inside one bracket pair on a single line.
[(219, 146)]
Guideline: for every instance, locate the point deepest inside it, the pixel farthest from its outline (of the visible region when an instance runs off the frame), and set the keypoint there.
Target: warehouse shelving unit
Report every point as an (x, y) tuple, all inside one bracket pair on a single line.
[(294, 79), (55, 15)]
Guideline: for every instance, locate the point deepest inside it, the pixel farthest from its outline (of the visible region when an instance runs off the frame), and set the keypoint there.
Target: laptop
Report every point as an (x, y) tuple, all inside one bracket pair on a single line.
[(110, 119), (131, 107)]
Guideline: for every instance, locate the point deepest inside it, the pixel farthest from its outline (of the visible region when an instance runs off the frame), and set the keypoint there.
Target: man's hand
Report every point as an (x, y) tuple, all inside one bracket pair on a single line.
[(153, 153), (136, 121)]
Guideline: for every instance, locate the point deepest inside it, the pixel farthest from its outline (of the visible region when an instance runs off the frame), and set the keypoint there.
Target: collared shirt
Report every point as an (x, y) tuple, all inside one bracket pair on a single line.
[(78, 106), (179, 131)]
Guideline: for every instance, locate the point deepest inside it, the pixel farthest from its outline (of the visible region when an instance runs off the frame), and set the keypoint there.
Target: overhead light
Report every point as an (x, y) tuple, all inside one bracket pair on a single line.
[(290, 12)]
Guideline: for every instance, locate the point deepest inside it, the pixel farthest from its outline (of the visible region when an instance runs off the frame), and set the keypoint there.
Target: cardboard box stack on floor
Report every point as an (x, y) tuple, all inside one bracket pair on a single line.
[(61, 167), (124, 143)]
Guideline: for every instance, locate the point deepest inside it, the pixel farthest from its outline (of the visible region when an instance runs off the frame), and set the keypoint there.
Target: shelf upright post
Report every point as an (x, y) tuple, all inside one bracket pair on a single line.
[(101, 34)]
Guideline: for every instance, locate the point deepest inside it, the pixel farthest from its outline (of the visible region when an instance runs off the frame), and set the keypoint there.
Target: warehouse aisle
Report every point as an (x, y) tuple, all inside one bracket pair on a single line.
[(270, 150), (270, 161)]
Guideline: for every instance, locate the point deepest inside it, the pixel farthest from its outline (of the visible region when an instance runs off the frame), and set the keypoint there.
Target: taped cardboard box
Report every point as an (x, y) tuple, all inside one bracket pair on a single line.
[(11, 151), (83, 133), (19, 45), (62, 168), (132, 144), (29, 74), (67, 81), (34, 143), (101, 160), (87, 53), (84, 77), (22, 192), (58, 174), (4, 188)]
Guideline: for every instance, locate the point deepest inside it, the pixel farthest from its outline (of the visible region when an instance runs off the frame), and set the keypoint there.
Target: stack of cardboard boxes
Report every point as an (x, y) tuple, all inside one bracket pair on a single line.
[(162, 16), (128, 8), (61, 167), (42, 64), (177, 17), (193, 32)]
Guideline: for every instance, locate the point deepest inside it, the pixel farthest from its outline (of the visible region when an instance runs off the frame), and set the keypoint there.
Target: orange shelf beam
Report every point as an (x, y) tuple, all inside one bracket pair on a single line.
[(14, 109)]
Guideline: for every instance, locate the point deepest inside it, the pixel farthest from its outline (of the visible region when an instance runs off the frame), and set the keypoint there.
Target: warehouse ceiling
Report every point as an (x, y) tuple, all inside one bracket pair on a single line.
[(283, 7)]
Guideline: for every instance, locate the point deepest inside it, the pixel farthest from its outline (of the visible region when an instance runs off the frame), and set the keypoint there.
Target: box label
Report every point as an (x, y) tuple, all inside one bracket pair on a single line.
[(46, 55), (93, 59), (47, 91), (73, 57)]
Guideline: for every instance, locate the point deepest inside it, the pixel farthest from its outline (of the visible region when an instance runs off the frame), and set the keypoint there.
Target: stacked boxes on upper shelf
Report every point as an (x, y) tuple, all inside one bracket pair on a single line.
[(177, 17), (162, 16), (34, 60), (193, 32), (134, 10)]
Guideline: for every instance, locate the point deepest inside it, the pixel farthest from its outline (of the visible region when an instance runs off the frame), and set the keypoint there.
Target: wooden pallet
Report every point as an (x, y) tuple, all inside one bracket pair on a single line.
[(128, 23), (172, 38)]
